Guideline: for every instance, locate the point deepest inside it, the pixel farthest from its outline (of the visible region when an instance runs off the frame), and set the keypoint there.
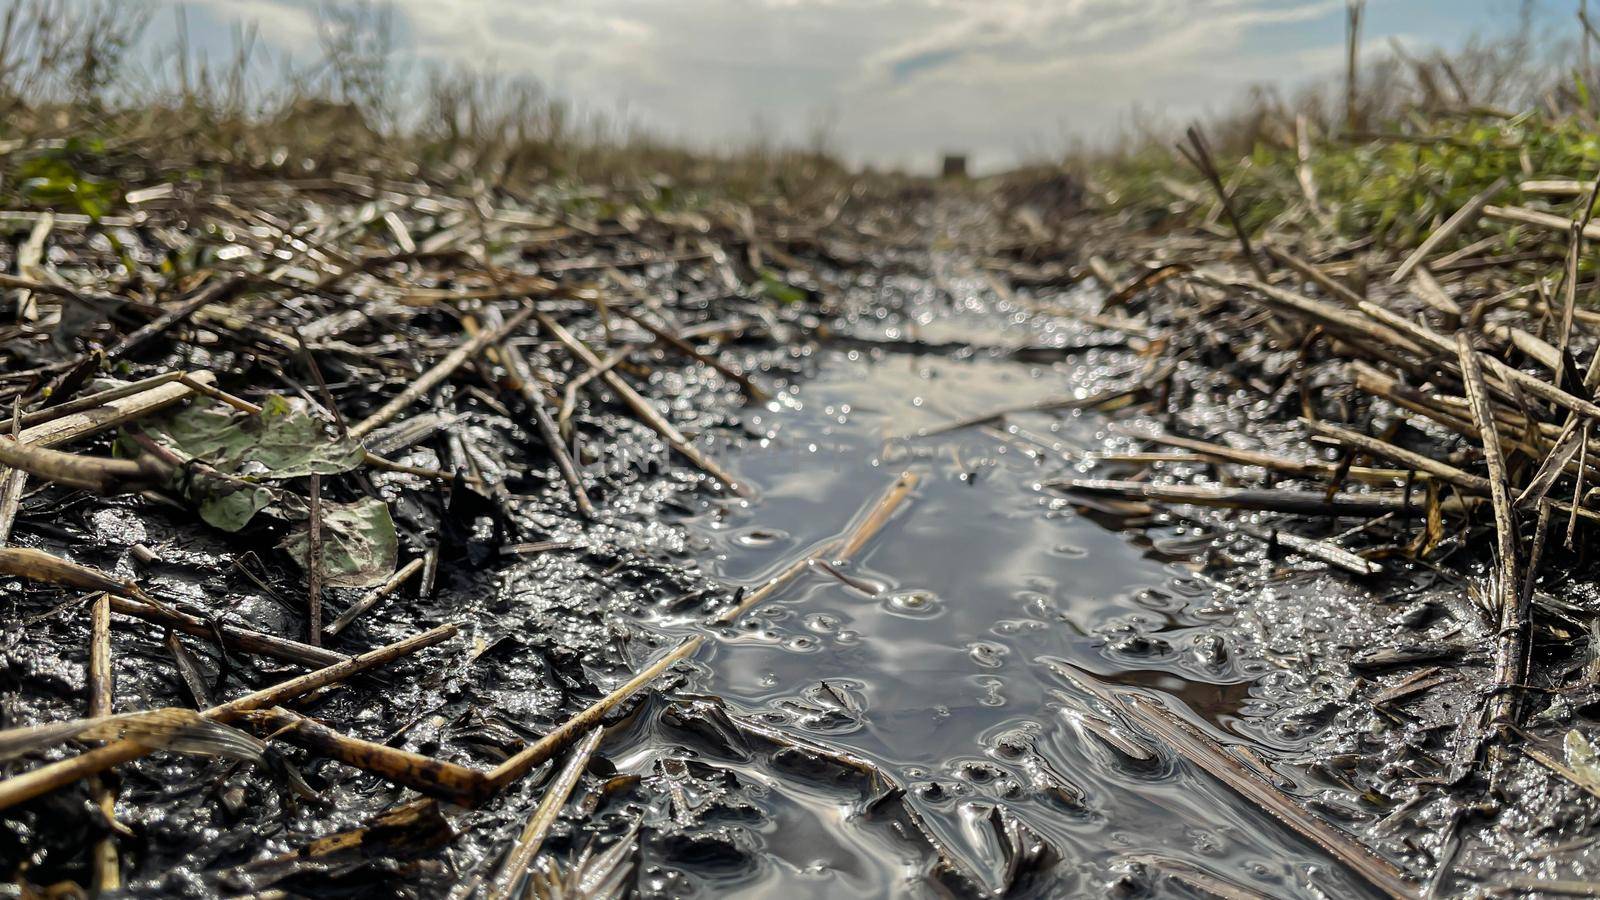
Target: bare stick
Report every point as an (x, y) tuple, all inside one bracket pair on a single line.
[(441, 370), (877, 515), (234, 637), (1378, 448), (642, 408), (547, 427), (107, 864), (108, 415), (46, 778), (1460, 220), (372, 597), (541, 750), (1511, 641), (1303, 503), (544, 815)]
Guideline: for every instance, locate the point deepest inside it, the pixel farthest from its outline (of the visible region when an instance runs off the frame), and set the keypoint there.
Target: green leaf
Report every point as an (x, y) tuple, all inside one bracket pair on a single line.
[(247, 451), (359, 544), (282, 441), (229, 505), (778, 289)]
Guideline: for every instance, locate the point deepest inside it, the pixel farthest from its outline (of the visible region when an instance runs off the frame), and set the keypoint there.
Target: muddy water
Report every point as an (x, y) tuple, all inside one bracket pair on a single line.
[(926, 654)]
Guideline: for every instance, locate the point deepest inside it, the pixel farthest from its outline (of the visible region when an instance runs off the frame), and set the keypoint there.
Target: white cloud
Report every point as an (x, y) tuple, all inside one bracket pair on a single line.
[(901, 78)]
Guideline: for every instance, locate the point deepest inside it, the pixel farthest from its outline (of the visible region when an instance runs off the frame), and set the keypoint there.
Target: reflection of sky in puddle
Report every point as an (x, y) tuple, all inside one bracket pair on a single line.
[(981, 575)]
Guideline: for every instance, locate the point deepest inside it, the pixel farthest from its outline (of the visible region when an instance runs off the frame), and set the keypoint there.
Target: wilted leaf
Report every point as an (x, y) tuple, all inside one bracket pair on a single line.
[(229, 505), (282, 441), (359, 545)]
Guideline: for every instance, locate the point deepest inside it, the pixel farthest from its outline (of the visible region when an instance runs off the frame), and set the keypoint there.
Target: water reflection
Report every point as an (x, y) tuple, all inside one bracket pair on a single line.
[(923, 653)]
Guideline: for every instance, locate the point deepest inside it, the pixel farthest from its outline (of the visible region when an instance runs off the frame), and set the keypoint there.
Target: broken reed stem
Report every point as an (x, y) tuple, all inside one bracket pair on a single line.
[(12, 484), (37, 565), (1462, 218), (1401, 334), (1300, 468), (642, 408), (90, 401), (1205, 753), (1511, 639), (1200, 157), (569, 393), (1323, 551), (544, 815), (441, 370), (101, 475), (221, 396), (430, 776), (529, 390), (1304, 503), (372, 597), (232, 636), (46, 778), (1375, 447), (1352, 46), (877, 515), (451, 781), (109, 414), (215, 292), (107, 864), (189, 670), (751, 389), (541, 750)]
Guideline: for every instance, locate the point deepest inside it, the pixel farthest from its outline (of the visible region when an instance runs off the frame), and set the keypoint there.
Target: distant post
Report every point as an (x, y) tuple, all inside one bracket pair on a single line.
[(955, 165), (1352, 100)]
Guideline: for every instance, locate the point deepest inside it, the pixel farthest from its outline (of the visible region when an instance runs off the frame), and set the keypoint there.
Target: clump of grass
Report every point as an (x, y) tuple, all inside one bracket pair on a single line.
[(1424, 134), (86, 115)]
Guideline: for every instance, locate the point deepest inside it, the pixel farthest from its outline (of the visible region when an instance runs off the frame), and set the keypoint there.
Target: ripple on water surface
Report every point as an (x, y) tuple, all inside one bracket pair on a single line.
[(922, 653)]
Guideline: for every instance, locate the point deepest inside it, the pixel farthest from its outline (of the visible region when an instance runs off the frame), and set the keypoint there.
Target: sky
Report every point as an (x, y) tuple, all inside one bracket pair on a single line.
[(892, 82)]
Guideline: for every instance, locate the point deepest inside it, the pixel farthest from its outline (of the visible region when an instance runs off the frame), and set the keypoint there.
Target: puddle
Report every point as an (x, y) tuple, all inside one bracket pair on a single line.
[(922, 653)]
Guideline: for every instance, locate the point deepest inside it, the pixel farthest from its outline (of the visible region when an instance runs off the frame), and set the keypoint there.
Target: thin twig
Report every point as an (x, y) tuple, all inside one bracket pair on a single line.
[(1511, 641), (544, 815), (876, 515), (49, 777)]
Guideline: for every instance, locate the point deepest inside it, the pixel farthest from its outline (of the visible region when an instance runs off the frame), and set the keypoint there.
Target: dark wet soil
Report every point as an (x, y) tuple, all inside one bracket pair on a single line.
[(914, 721)]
